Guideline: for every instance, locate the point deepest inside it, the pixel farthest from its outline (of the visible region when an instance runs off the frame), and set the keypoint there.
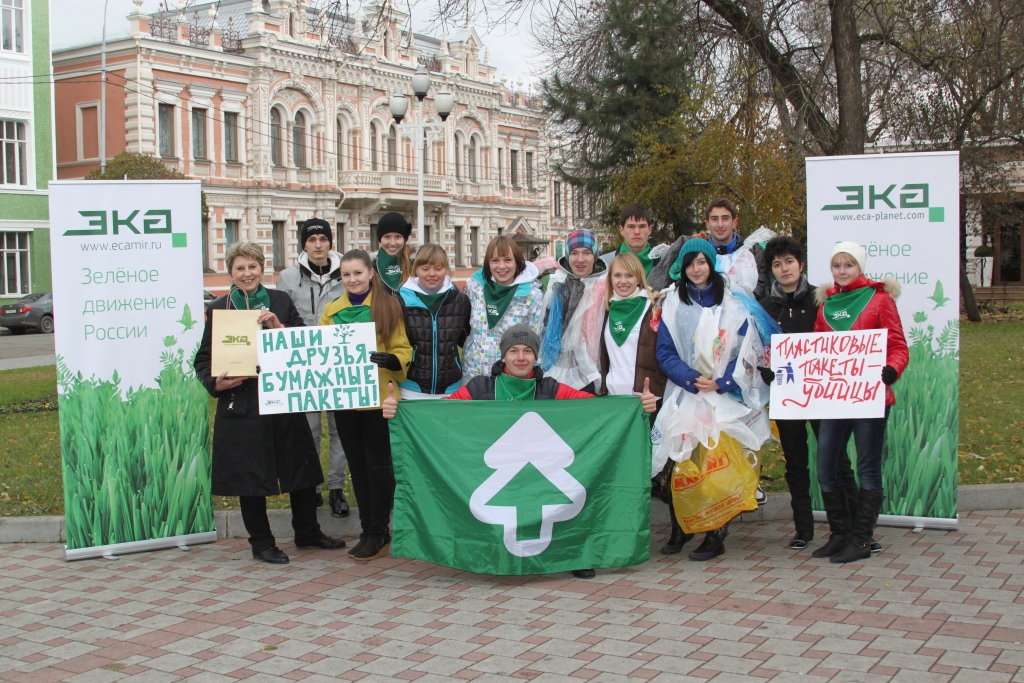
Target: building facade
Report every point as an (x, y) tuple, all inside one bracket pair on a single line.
[(283, 113), (26, 148)]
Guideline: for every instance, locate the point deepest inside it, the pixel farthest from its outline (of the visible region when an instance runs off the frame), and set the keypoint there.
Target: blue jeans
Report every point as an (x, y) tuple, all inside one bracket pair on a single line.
[(868, 436)]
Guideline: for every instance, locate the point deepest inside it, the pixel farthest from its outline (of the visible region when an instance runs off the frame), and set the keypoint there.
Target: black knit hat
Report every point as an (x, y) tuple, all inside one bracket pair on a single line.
[(520, 334), (315, 226), (393, 221)]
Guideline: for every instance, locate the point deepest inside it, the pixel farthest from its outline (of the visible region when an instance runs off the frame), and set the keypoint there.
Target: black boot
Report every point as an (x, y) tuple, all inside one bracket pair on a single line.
[(859, 547), (711, 547), (679, 538), (838, 521), (339, 506)]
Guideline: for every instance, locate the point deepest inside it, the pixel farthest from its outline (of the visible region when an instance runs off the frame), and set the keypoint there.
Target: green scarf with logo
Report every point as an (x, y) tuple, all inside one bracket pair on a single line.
[(622, 316), (842, 310), (257, 301), (389, 269), (496, 300), (353, 314), (509, 388), (644, 256)]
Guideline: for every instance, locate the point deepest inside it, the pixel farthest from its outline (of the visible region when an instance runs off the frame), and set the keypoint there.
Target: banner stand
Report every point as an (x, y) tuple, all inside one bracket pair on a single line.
[(113, 551), (916, 523)]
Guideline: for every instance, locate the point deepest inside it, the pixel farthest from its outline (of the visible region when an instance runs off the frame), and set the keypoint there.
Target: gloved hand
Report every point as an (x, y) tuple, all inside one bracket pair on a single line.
[(889, 375), (388, 361), (767, 374)]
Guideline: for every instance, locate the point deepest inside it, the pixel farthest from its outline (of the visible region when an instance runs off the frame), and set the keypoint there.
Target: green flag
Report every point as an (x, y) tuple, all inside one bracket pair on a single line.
[(527, 488)]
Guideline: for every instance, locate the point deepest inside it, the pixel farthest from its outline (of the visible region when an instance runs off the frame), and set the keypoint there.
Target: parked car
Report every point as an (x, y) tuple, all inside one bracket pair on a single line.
[(33, 312)]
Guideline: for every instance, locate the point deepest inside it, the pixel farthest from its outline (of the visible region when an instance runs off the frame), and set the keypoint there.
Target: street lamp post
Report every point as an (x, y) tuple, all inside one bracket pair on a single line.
[(399, 105)]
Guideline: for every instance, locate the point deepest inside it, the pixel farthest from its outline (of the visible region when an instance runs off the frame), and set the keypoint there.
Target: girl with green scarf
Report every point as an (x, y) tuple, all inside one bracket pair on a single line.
[(855, 302), (393, 263)]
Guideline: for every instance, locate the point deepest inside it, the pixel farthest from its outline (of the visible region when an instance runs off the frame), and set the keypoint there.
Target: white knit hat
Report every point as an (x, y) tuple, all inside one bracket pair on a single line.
[(859, 253)]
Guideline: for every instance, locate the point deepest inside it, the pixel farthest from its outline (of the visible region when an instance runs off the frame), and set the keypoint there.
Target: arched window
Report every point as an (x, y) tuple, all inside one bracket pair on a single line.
[(458, 158), (339, 145), (374, 141), (392, 150), (275, 137), (299, 140), (471, 163)]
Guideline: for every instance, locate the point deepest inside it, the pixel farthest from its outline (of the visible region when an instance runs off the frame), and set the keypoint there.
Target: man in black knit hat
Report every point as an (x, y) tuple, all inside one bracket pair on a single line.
[(312, 283)]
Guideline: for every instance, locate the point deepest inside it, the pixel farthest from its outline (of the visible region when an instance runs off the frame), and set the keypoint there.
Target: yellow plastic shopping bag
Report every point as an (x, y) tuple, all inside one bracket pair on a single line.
[(713, 486)]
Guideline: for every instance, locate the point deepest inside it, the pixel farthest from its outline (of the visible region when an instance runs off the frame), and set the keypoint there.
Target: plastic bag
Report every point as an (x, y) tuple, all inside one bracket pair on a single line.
[(713, 486)]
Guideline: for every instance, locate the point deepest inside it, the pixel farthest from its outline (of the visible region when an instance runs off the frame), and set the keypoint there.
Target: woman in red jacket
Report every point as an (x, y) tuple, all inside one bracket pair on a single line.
[(856, 303)]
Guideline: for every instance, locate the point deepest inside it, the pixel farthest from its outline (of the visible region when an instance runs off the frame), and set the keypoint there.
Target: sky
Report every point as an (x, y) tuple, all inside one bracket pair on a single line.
[(78, 22)]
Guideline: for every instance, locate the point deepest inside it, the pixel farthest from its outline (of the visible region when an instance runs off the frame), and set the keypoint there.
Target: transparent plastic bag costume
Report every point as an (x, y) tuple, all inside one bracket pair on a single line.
[(707, 339), (571, 353)]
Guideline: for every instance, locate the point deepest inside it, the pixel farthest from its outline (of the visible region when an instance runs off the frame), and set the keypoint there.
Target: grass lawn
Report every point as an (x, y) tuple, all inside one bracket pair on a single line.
[(991, 426)]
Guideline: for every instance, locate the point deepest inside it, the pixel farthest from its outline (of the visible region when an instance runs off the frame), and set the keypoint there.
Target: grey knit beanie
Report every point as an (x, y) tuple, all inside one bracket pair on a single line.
[(520, 334)]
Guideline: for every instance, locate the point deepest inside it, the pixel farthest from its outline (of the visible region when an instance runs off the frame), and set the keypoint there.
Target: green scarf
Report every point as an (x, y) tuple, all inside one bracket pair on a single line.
[(389, 270), (257, 301), (842, 310), (644, 256), (496, 300), (622, 316), (352, 314), (509, 388), (431, 301)]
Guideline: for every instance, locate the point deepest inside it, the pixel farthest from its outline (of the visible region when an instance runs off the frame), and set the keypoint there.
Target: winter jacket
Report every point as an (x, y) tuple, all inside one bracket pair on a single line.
[(646, 354), (879, 314), (398, 344), (482, 388), (311, 292), (483, 345), (436, 338), (253, 454), (794, 312)]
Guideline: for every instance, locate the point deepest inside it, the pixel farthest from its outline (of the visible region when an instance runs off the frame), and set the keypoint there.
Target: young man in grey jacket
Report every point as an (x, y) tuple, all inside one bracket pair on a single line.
[(312, 283)]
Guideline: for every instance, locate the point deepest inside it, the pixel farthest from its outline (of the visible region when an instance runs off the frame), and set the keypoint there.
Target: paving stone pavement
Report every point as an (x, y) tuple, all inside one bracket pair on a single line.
[(934, 606)]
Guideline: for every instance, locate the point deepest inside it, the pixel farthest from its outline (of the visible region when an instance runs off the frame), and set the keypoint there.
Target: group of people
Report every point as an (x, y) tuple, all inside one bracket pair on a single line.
[(683, 327)]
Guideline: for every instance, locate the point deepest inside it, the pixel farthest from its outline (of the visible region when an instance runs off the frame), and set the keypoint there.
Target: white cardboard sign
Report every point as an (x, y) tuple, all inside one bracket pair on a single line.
[(309, 369), (828, 375)]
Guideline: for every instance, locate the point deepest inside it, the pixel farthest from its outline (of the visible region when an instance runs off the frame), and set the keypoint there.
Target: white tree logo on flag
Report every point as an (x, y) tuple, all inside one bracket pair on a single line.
[(530, 441)]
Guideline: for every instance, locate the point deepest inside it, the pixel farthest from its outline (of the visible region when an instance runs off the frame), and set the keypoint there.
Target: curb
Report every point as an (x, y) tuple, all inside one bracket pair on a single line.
[(973, 498)]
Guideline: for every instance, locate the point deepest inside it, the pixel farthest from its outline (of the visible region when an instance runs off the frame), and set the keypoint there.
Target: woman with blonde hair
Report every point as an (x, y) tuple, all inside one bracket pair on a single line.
[(436, 317), (503, 293), (364, 432)]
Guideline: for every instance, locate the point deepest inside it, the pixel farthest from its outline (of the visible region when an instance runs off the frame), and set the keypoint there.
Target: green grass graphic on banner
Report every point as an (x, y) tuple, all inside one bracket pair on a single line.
[(919, 458), (136, 462)]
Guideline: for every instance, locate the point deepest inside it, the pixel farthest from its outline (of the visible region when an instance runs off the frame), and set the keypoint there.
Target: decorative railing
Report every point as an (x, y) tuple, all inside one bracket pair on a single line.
[(430, 63), (161, 24), (198, 36), (231, 38)]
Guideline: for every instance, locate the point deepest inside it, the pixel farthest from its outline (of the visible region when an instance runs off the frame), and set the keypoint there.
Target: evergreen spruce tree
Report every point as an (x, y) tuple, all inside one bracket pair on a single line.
[(641, 75)]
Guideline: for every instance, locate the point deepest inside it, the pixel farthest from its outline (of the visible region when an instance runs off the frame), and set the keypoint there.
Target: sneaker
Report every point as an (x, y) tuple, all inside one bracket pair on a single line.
[(339, 506), (876, 547), (800, 541), (324, 543), (760, 496), (584, 573), (358, 546)]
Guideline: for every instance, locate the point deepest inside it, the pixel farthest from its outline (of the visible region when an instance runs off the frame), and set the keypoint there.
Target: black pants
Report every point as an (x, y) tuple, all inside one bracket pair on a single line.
[(793, 436), (367, 443), (254, 516)]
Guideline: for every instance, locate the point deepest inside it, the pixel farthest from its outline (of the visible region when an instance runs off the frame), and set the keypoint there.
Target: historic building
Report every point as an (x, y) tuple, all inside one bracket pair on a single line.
[(26, 148), (283, 112)]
